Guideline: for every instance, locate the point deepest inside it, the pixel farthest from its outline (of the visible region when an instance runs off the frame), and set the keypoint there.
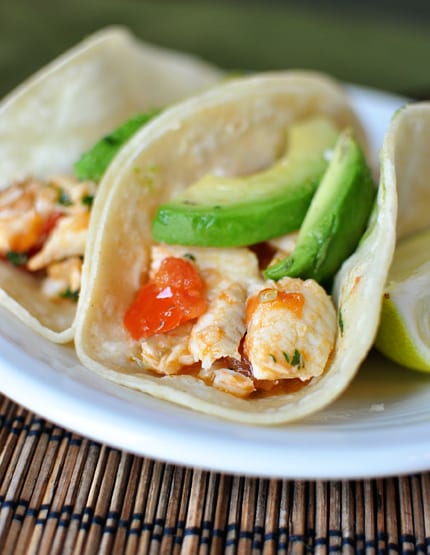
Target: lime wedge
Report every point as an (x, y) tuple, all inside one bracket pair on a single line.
[(404, 329)]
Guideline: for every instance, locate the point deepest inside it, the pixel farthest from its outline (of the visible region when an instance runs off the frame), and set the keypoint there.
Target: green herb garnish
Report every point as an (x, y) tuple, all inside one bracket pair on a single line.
[(297, 359), (189, 256), (69, 294), (17, 258), (340, 322), (88, 200), (64, 198)]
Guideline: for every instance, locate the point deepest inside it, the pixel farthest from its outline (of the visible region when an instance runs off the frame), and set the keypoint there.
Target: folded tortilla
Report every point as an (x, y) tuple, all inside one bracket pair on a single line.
[(59, 113), (233, 129), (407, 164)]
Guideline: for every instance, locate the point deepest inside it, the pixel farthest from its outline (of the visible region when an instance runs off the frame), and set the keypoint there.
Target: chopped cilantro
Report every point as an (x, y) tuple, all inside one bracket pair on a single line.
[(297, 359), (64, 198), (340, 322), (287, 358), (17, 258), (88, 200), (69, 294), (189, 256), (272, 356)]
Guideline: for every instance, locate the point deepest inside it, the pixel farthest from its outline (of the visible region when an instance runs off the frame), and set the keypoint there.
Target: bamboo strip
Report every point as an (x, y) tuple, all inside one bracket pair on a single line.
[(170, 539), (359, 516), (425, 488), (347, 518), (391, 518), (334, 539), (369, 518), (245, 537), (114, 509), (194, 519), (212, 493), (418, 515), (321, 518), (136, 525), (407, 544), (310, 529), (284, 516), (381, 533), (223, 502), (298, 519), (260, 536), (272, 517), (150, 508), (183, 509), (234, 515), (161, 510)]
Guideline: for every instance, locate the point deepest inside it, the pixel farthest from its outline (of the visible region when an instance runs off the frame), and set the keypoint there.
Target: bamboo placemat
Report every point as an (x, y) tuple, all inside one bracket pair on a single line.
[(64, 494)]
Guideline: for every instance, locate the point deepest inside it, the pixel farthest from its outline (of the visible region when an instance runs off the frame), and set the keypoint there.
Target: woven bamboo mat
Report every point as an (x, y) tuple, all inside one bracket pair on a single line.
[(61, 493)]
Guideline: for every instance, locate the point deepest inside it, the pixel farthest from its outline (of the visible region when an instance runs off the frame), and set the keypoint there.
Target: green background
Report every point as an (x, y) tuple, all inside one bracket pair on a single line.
[(379, 44)]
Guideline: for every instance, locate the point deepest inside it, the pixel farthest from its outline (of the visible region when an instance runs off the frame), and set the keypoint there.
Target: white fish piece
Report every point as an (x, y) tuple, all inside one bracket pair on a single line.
[(219, 331), (68, 238), (167, 353), (235, 264), (228, 380), (63, 276), (291, 330), (24, 208)]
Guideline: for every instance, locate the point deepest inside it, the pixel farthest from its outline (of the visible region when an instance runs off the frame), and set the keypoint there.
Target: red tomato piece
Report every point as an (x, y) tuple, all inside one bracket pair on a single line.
[(174, 296)]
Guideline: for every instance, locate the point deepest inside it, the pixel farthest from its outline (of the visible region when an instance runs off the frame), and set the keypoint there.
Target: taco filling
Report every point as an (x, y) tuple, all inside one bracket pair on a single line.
[(43, 230), (209, 313)]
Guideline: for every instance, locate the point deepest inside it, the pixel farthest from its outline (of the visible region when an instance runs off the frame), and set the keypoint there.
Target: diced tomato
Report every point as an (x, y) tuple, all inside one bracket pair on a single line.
[(174, 296)]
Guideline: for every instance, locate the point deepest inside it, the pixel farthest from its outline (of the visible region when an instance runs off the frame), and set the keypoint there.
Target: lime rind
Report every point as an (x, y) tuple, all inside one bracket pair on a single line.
[(404, 330)]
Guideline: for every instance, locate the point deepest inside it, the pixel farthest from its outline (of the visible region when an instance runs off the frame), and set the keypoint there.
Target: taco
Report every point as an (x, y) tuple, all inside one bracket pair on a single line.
[(45, 126), (226, 317)]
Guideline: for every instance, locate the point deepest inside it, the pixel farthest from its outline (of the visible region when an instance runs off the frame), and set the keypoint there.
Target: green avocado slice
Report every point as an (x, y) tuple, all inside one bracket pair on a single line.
[(239, 211), (336, 219), (93, 163)]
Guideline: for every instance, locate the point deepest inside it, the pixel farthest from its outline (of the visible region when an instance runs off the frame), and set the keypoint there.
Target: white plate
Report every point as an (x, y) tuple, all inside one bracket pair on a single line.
[(380, 426)]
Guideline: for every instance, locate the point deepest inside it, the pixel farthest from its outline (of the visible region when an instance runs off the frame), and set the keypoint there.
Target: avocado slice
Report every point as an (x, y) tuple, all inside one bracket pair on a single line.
[(93, 164), (237, 211), (336, 219)]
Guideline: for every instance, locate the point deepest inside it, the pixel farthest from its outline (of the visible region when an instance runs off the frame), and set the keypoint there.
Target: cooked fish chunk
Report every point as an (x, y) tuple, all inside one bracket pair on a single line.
[(62, 277), (25, 207), (68, 238), (167, 353), (218, 332), (228, 380), (236, 264), (291, 330)]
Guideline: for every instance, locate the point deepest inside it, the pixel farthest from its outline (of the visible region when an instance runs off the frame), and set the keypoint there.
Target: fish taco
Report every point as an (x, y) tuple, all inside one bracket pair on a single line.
[(46, 124), (239, 252)]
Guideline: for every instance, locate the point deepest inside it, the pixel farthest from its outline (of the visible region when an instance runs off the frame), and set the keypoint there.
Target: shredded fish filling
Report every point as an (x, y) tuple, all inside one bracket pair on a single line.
[(44, 227), (254, 334)]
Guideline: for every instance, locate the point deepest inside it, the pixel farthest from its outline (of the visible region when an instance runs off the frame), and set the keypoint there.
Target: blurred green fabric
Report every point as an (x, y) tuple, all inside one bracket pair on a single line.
[(359, 43)]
